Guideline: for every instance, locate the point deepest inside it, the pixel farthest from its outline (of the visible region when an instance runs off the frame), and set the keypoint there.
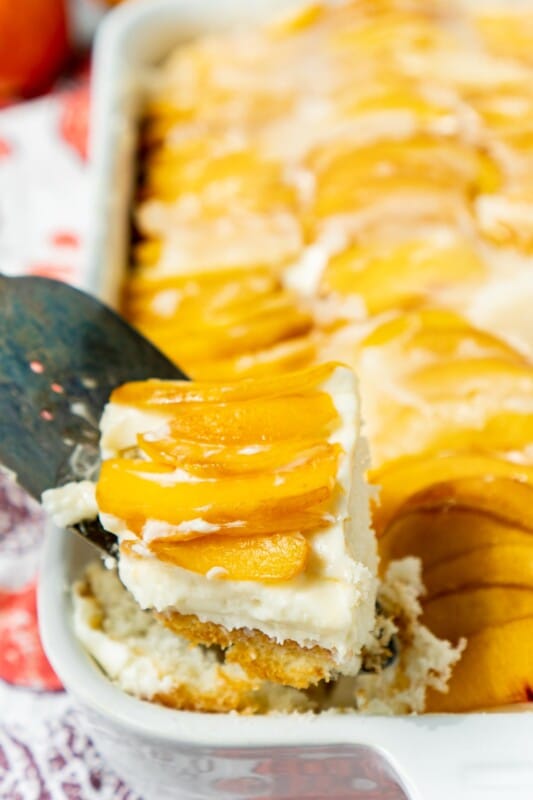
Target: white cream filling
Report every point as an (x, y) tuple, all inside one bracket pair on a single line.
[(331, 604), (71, 503), (504, 307)]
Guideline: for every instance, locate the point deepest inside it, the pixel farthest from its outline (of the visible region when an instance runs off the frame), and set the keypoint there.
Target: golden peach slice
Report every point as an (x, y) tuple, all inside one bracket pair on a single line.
[(404, 430), (254, 277), (403, 326), (507, 564), (504, 499), (259, 523), (507, 431), (404, 477), (294, 22), (457, 342), (400, 276), (435, 535), (436, 160), (131, 488), (198, 297), (494, 670), (278, 557), (223, 340), (254, 422), (237, 176), (153, 393), (288, 356), (466, 612), (394, 93), (464, 378), (334, 196), (211, 460)]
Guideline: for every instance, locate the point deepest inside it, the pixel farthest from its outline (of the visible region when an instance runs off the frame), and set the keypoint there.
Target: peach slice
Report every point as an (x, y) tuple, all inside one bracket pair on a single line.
[(130, 489), (254, 421), (261, 278), (392, 93), (295, 21), (400, 276), (504, 499), (236, 176), (154, 393), (335, 196), (438, 534), (508, 431), (223, 339), (494, 670), (508, 564), (467, 377), (287, 356), (464, 613), (440, 162), (404, 430), (278, 557), (217, 460), (258, 523), (224, 307), (147, 252), (164, 300), (456, 342), (404, 477), (410, 323)]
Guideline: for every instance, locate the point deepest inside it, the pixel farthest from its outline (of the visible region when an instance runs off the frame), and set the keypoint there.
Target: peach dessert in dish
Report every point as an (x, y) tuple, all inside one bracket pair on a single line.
[(349, 183)]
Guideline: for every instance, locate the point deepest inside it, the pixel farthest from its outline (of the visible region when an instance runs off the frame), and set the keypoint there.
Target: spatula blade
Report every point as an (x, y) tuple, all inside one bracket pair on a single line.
[(62, 354)]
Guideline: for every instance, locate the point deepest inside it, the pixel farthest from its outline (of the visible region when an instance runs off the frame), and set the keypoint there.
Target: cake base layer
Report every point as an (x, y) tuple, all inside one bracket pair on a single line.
[(149, 661), (258, 655)]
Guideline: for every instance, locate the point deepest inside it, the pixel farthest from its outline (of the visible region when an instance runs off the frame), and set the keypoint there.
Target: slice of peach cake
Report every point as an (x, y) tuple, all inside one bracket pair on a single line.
[(243, 516)]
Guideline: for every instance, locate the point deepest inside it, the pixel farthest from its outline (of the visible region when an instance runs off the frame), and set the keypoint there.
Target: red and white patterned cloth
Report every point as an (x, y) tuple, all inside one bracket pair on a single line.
[(44, 204)]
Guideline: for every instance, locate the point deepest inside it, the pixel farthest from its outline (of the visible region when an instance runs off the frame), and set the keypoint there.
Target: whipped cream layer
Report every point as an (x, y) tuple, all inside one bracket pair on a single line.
[(330, 604)]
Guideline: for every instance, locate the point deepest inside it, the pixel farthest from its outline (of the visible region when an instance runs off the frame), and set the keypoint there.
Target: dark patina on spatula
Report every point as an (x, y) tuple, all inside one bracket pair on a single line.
[(62, 354)]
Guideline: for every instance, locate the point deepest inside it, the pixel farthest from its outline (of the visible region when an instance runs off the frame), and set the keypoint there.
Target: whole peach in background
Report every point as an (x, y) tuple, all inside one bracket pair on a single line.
[(34, 45)]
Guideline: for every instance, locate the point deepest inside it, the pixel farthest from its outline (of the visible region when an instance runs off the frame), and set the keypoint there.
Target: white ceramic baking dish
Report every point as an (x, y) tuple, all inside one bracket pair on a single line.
[(166, 754)]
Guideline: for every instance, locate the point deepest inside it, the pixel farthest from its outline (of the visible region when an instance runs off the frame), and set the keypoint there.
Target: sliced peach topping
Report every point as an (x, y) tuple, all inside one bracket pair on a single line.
[(494, 670), (278, 557), (282, 357), (239, 468), (468, 611), (131, 488), (508, 431), (346, 175), (460, 515), (507, 564), (403, 326), (408, 475), (401, 275), (258, 523), (223, 340), (255, 421), (168, 393), (504, 498), (237, 176), (439, 534), (466, 377), (211, 460)]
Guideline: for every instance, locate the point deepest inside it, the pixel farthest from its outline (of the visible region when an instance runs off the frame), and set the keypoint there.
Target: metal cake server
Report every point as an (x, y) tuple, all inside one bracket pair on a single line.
[(62, 353)]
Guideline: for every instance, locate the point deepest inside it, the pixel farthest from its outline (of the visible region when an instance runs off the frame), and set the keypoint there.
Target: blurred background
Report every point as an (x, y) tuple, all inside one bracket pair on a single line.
[(43, 42)]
